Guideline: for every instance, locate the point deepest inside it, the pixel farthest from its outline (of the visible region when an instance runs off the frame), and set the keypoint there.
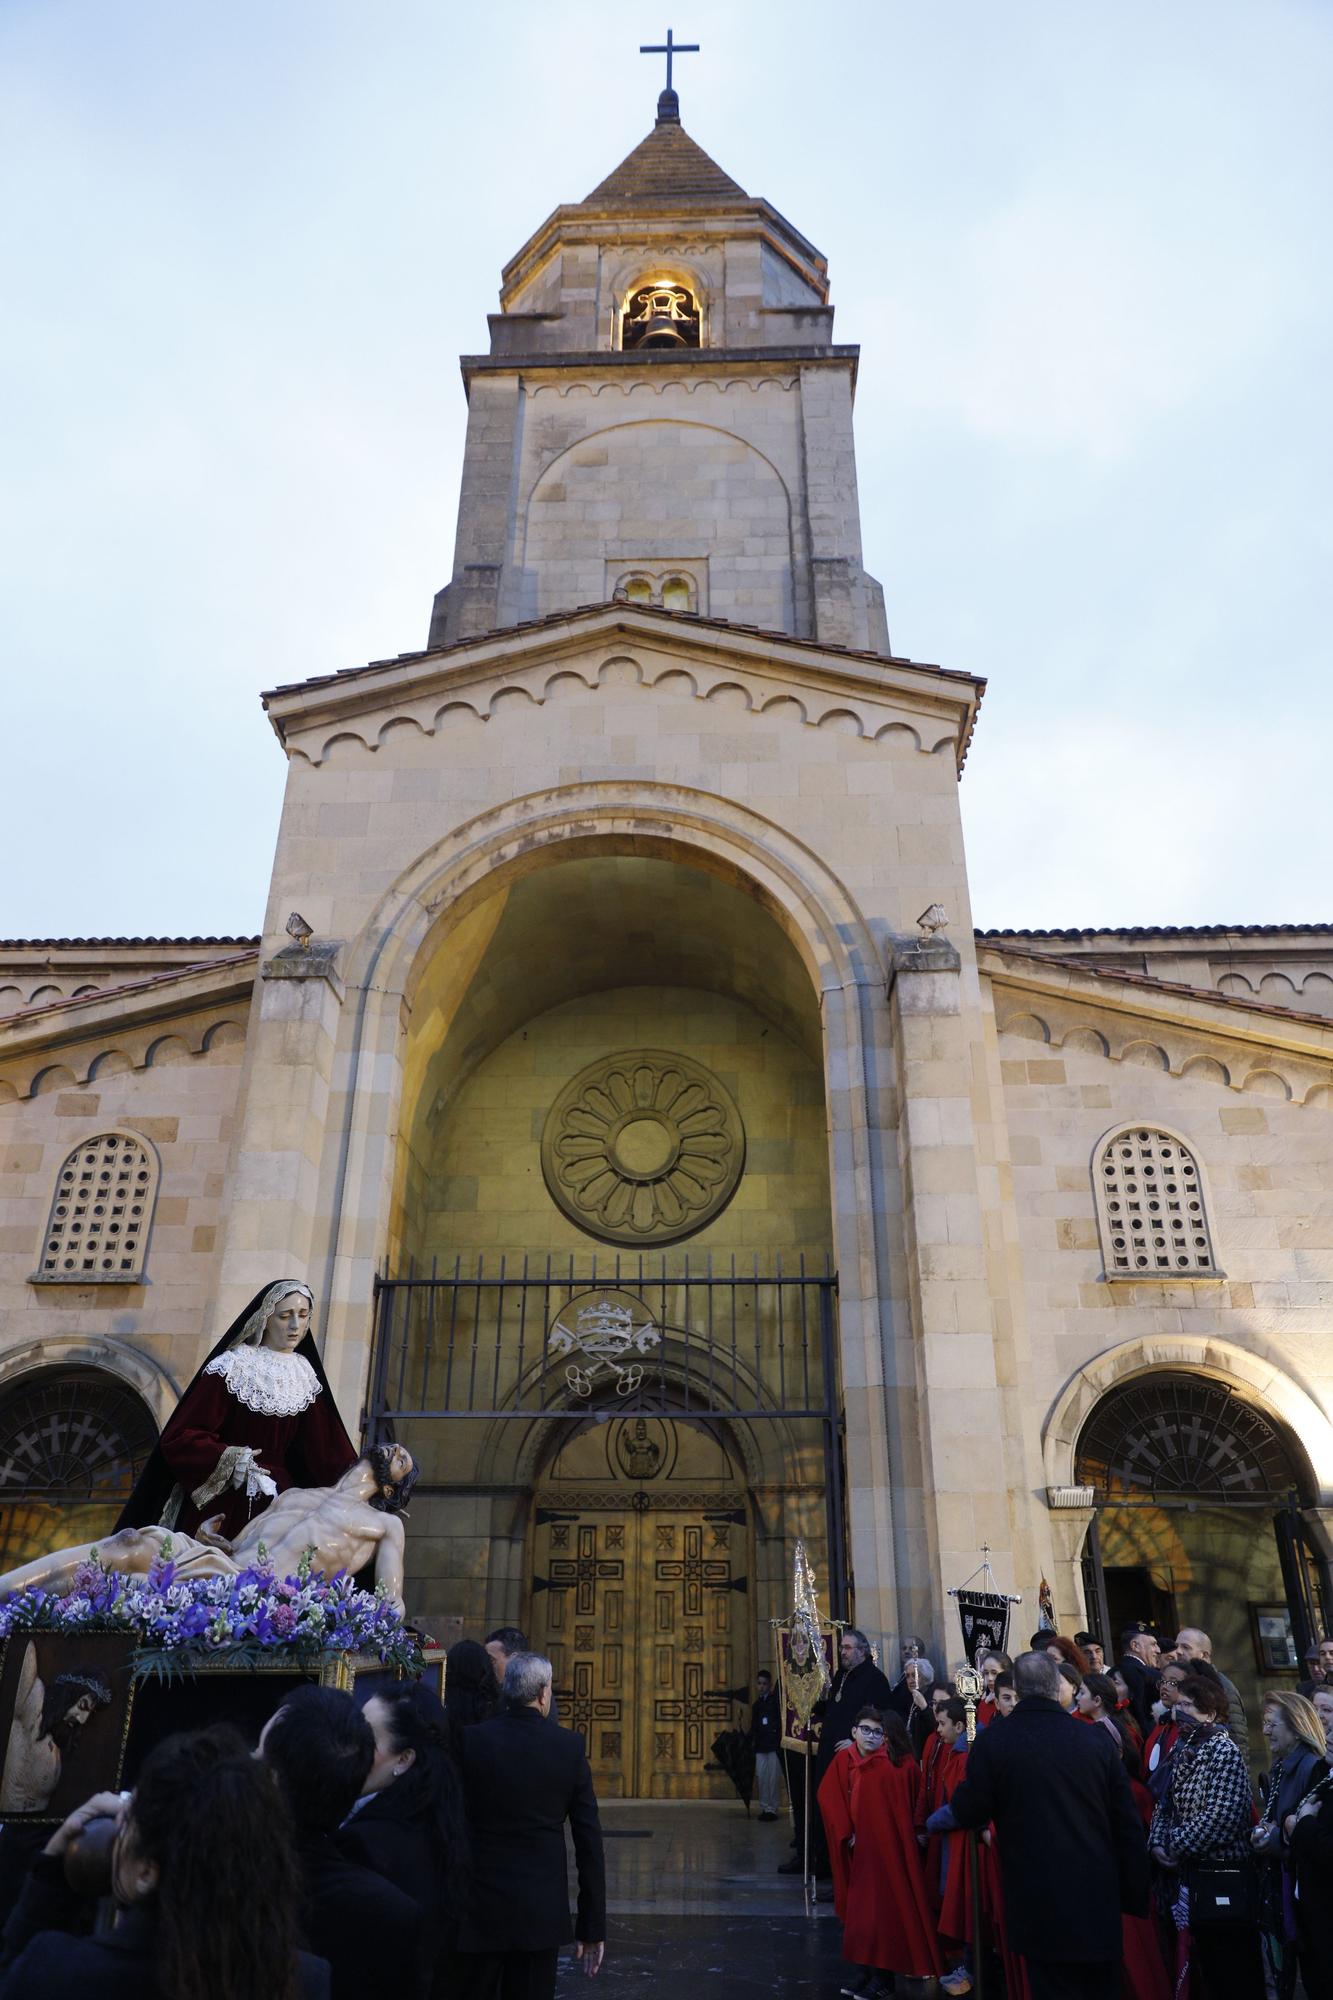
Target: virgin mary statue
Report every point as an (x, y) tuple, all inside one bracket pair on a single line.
[(257, 1418)]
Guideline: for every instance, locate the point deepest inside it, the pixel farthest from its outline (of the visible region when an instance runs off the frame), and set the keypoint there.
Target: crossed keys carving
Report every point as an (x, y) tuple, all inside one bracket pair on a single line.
[(608, 1330)]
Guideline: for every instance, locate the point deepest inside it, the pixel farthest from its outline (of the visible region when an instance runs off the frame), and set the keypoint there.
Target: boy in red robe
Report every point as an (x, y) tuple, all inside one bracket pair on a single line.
[(835, 1798), (947, 1860), (940, 1695), (889, 1923)]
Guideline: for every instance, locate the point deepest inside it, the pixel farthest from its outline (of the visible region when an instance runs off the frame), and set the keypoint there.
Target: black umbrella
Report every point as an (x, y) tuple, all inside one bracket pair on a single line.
[(734, 1752)]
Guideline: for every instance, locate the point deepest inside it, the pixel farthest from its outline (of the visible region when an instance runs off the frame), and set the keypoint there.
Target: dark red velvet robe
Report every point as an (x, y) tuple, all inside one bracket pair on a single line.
[(308, 1449)]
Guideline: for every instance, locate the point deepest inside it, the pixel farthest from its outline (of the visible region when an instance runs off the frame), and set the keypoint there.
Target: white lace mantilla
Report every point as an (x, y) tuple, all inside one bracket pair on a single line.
[(266, 1381)]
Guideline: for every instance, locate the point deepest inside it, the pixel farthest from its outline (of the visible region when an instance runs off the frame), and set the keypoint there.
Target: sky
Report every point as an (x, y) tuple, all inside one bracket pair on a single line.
[(1086, 253)]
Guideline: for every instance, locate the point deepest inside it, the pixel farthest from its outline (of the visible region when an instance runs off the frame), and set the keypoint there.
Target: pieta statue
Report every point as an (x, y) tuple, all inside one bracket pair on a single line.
[(259, 1417)]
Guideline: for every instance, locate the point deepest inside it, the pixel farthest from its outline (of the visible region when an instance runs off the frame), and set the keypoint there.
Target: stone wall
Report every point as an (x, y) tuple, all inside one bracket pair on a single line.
[(181, 1101), (485, 1189), (1265, 1162)]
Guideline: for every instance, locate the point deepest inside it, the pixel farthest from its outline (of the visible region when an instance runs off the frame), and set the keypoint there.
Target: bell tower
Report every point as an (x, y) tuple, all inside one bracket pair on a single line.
[(663, 417)]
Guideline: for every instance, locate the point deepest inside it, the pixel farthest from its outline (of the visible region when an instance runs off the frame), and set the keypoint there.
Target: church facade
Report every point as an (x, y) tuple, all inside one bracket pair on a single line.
[(674, 1167)]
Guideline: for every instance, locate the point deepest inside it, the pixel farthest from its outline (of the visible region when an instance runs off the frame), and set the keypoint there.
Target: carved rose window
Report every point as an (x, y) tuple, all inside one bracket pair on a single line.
[(643, 1147)]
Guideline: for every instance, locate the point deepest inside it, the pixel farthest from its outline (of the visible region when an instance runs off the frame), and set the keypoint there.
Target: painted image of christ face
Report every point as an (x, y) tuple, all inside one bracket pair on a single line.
[(48, 1719)]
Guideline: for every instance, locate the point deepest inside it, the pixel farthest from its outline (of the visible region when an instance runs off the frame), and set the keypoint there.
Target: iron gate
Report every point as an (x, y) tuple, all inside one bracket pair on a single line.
[(560, 1337)]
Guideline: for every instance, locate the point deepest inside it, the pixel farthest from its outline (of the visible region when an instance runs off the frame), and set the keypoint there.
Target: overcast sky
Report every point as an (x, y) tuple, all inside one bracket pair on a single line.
[(1085, 250)]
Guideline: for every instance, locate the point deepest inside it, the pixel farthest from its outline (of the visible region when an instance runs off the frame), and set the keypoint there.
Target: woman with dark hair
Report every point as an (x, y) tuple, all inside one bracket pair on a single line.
[(1071, 1680), (1202, 1825), (408, 1825), (1060, 1648), (203, 1872), (1097, 1702), (1124, 1704), (471, 1693), (1162, 1737)]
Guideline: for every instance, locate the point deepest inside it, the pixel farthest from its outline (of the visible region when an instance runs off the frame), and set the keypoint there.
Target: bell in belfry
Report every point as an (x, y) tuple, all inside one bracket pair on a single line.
[(661, 316)]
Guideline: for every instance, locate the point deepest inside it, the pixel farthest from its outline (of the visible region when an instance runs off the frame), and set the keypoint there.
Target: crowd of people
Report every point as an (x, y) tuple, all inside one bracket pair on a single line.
[(397, 1835), (1129, 1859), (391, 1840)]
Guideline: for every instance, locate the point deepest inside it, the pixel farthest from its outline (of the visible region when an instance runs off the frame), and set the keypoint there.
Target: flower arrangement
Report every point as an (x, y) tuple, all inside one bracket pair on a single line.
[(254, 1616)]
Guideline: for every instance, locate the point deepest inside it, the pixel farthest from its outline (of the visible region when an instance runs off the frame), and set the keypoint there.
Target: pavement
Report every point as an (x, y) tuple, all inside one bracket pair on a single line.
[(698, 1910)]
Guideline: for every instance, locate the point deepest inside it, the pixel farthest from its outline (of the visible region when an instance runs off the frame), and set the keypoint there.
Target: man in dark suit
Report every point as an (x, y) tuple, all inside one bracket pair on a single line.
[(523, 1778), (1072, 1850), (504, 1642), (1140, 1664), (321, 1747)]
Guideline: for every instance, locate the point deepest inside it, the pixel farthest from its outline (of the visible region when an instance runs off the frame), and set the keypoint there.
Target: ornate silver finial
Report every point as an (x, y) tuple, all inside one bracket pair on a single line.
[(299, 930), (936, 918)]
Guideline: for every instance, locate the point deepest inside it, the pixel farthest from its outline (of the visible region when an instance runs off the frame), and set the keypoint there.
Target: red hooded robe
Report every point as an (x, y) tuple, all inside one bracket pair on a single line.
[(835, 1805), (947, 1855), (889, 1922)]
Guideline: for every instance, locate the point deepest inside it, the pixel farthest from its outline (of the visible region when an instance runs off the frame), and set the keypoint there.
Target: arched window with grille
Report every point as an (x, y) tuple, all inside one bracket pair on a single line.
[(72, 1443), (101, 1212), (1166, 1436), (1151, 1206)]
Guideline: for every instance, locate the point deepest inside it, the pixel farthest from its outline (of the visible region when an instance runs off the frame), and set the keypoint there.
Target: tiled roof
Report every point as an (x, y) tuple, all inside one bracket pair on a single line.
[(692, 618), (174, 973), (657, 611), (667, 166), (1087, 970), (114, 943), (1171, 931)]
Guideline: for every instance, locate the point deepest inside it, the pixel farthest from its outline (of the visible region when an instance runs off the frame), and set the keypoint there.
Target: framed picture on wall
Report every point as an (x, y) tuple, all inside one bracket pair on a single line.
[(1274, 1640)]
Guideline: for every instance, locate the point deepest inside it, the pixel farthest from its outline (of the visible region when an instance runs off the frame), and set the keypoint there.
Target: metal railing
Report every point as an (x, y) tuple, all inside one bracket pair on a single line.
[(559, 1336), (555, 1336)]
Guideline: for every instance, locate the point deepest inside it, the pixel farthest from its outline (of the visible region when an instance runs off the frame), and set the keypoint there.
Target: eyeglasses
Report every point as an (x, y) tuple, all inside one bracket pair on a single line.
[(869, 1729)]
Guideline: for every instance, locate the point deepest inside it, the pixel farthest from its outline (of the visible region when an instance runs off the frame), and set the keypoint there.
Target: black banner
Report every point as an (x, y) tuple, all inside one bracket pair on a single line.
[(984, 1617)]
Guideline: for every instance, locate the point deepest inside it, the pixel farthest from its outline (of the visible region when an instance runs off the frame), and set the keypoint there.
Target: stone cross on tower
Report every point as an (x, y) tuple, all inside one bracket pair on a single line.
[(668, 48)]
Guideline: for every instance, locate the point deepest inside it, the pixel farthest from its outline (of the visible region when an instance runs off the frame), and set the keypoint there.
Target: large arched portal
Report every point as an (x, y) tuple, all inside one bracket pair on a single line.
[(1200, 1519), (612, 1223)]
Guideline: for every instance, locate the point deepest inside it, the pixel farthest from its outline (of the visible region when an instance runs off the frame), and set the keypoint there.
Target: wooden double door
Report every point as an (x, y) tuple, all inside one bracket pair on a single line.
[(643, 1609)]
